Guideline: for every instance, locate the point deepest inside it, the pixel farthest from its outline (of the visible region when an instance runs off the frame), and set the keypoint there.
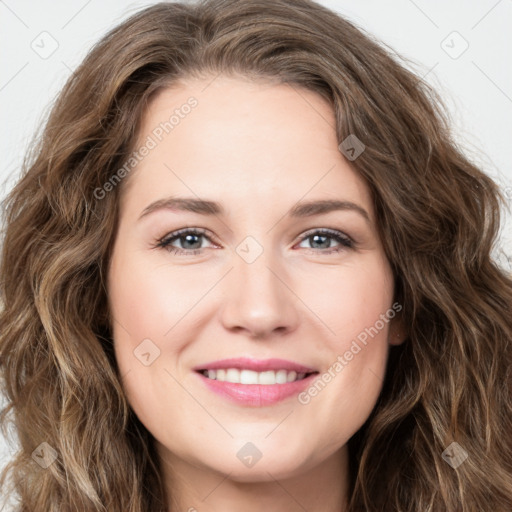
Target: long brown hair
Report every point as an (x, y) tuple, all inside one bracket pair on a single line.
[(438, 217)]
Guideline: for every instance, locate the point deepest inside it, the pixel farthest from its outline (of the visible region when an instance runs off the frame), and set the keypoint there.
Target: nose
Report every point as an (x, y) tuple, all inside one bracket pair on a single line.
[(259, 299)]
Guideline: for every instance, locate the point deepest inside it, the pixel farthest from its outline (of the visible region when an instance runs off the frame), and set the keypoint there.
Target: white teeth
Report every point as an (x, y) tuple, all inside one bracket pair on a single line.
[(268, 377), (281, 376), (291, 376), (248, 377), (236, 376)]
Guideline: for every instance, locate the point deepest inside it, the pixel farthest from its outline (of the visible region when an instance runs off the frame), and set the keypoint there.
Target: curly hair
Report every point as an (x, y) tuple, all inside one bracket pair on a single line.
[(438, 216)]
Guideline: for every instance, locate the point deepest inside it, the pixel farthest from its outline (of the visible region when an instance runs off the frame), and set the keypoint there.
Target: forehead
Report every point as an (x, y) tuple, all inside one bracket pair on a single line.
[(240, 141)]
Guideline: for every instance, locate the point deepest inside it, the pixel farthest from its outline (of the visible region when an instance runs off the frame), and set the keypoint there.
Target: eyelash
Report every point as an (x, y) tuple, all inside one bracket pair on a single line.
[(164, 243)]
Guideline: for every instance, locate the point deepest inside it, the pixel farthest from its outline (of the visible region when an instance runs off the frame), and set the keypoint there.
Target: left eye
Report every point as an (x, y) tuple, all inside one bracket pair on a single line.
[(187, 237), (190, 241)]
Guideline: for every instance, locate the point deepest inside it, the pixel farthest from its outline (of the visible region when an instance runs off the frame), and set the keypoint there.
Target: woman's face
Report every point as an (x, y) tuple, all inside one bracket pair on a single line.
[(252, 170)]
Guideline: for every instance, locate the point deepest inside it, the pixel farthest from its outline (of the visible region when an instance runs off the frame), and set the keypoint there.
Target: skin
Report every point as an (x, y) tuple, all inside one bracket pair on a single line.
[(257, 148)]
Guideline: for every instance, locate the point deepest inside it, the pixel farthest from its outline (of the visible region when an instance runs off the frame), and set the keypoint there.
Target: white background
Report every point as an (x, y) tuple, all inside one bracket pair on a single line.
[(476, 85)]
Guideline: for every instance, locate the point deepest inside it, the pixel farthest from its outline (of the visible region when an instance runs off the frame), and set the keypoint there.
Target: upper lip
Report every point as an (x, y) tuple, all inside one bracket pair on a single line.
[(257, 365)]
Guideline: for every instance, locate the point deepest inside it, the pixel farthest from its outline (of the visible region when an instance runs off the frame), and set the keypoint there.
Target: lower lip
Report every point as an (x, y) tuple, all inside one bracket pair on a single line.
[(257, 395)]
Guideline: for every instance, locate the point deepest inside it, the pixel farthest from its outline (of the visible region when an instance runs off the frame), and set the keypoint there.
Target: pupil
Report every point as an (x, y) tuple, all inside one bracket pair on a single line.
[(188, 238), (325, 244)]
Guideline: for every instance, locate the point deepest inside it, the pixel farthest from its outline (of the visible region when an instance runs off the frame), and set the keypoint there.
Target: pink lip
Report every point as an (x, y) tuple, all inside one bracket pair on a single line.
[(257, 365), (257, 395)]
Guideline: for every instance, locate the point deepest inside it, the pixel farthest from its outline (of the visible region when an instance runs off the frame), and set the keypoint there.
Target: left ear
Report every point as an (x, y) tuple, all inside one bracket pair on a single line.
[(397, 333)]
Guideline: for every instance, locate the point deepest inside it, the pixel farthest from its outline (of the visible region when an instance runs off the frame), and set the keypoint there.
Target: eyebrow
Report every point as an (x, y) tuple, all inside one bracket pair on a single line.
[(205, 207)]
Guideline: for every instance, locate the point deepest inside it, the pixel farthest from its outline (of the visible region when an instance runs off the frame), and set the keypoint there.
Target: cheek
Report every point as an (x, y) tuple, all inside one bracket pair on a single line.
[(148, 300), (144, 308), (357, 308), (349, 300), (140, 311)]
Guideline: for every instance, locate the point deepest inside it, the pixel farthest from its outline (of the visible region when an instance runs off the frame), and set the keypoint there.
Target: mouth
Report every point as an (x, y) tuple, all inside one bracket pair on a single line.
[(255, 383)]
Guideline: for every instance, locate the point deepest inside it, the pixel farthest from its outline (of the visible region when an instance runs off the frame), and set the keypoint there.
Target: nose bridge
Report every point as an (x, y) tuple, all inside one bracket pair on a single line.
[(253, 264), (257, 298)]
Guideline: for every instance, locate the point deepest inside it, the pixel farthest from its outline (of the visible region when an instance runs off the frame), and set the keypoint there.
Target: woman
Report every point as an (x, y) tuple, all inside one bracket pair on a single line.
[(251, 370)]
